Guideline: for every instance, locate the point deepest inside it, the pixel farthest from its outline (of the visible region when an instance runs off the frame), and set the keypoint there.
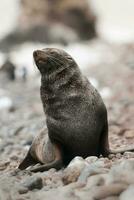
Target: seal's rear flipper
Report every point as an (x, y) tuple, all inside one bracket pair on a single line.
[(56, 163), (28, 160)]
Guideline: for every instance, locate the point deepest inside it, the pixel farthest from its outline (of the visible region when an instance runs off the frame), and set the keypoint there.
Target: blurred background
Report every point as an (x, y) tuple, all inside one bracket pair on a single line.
[(99, 34), (26, 25), (72, 24)]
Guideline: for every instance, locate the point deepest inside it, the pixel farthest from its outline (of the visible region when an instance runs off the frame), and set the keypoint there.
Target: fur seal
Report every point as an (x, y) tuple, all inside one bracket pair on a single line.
[(76, 116)]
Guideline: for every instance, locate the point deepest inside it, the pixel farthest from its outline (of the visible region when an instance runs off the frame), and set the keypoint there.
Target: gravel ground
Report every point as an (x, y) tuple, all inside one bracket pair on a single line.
[(93, 178)]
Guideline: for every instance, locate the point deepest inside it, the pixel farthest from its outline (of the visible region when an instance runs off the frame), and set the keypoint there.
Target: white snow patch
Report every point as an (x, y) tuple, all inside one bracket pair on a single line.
[(5, 103)]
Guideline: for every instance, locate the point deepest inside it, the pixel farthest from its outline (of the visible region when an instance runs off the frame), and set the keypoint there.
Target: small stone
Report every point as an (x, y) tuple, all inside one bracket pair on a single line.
[(52, 170), (100, 163), (33, 183), (4, 164), (118, 155), (129, 134), (89, 171), (128, 154), (52, 178), (128, 194), (111, 156), (91, 159), (72, 172), (105, 191), (76, 161), (4, 195), (122, 172), (22, 190), (107, 162), (61, 193), (14, 157), (96, 180)]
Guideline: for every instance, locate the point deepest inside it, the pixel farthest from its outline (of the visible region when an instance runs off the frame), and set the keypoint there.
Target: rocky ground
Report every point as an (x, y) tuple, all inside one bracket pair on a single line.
[(93, 178)]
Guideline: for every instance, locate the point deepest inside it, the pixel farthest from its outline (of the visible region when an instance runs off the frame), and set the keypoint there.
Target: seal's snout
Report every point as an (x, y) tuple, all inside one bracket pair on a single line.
[(40, 57), (38, 54), (41, 60)]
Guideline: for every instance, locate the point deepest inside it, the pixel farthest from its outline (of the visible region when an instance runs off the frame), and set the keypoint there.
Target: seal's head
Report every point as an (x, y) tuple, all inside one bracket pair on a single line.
[(51, 59)]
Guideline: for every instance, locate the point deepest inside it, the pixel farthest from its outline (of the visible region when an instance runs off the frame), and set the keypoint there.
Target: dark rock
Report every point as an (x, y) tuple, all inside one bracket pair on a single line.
[(33, 182), (9, 68), (22, 190)]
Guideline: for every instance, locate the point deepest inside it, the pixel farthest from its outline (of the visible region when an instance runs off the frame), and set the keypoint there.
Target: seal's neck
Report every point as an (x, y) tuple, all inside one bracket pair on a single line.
[(50, 76), (61, 81)]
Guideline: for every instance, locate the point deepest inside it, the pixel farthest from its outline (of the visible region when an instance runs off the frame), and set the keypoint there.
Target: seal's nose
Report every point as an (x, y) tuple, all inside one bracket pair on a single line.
[(39, 55), (36, 53)]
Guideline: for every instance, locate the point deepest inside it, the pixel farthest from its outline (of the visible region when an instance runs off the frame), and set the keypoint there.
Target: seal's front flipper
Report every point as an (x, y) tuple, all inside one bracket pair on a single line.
[(28, 160), (57, 163)]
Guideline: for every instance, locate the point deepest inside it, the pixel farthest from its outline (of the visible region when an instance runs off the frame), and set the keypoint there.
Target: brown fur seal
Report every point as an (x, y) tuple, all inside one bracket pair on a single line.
[(76, 116)]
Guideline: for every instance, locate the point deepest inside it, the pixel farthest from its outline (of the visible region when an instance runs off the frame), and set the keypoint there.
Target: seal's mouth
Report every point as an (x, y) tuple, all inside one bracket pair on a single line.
[(40, 57)]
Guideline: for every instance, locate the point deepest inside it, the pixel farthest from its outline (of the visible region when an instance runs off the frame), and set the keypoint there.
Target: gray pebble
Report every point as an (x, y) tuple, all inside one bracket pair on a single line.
[(33, 183), (73, 170), (122, 172), (128, 154), (22, 190), (91, 159), (89, 171), (128, 194)]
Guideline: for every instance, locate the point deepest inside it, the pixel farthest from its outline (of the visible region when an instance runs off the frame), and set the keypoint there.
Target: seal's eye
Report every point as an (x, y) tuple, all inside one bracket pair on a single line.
[(53, 53), (69, 58)]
